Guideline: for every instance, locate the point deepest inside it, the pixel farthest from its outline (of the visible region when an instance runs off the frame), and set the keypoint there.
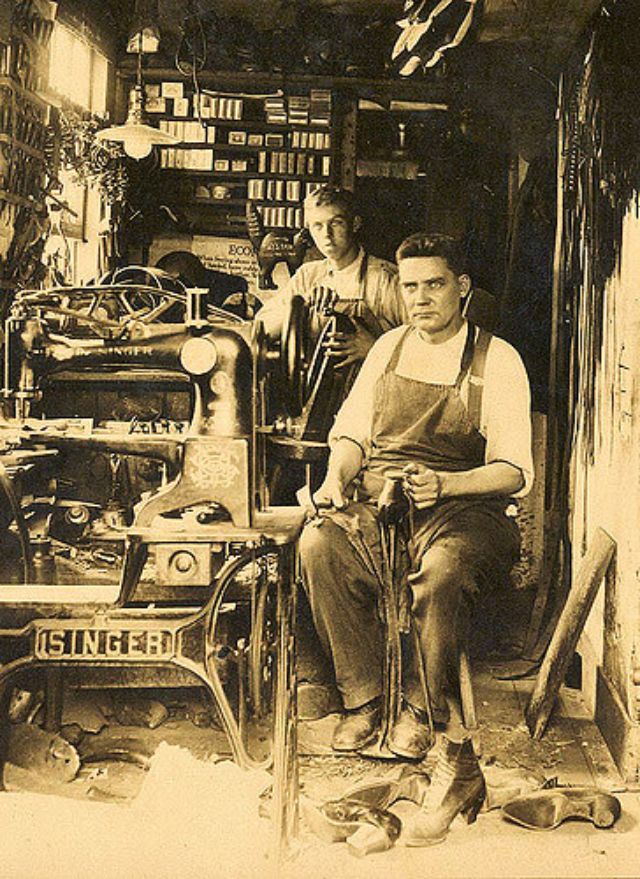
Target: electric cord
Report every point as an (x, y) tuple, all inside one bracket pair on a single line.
[(192, 46)]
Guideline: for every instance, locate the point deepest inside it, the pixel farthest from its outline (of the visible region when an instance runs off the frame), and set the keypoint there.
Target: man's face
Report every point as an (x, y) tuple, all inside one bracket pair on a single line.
[(332, 230), (433, 294)]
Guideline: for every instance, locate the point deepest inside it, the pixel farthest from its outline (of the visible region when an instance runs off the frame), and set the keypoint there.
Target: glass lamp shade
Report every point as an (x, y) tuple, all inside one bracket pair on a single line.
[(137, 138)]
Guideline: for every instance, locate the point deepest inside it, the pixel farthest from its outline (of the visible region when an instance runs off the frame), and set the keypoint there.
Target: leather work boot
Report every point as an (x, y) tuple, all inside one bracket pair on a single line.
[(358, 727), (411, 735), (547, 809), (457, 787)]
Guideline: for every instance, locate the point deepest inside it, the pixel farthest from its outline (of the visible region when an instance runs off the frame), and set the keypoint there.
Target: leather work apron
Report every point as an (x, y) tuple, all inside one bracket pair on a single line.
[(430, 424)]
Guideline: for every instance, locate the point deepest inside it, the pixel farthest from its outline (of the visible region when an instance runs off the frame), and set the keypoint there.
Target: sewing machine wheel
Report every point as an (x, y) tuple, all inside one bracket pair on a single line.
[(293, 349), (260, 648), (260, 345)]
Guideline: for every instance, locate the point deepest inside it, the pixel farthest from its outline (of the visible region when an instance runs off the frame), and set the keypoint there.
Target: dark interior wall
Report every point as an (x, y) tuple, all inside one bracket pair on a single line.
[(463, 194)]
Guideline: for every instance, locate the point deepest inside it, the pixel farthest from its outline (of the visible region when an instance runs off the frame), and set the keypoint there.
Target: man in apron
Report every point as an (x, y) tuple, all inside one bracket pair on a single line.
[(444, 407)]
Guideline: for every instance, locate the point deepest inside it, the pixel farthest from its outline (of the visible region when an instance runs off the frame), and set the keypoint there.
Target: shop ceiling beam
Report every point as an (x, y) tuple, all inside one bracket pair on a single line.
[(436, 91)]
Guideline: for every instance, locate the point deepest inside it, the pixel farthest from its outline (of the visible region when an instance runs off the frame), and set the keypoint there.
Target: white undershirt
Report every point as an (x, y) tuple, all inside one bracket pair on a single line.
[(505, 419), (346, 281)]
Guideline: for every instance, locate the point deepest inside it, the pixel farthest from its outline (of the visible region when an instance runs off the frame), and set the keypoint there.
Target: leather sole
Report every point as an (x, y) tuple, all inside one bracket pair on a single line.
[(547, 809)]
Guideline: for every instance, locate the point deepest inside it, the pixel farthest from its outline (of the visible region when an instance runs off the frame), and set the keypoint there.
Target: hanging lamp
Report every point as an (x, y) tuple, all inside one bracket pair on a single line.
[(136, 136)]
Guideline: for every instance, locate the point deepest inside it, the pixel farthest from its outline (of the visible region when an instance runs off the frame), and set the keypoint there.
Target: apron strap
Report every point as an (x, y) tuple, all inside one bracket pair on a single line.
[(362, 274), (467, 356), (395, 356), (476, 378)]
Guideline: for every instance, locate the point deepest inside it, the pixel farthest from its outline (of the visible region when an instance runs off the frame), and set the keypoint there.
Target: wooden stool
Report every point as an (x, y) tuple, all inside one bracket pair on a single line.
[(467, 701)]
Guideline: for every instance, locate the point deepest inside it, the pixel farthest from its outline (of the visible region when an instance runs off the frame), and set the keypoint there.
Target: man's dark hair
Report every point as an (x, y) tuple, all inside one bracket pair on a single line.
[(434, 244), (332, 195)]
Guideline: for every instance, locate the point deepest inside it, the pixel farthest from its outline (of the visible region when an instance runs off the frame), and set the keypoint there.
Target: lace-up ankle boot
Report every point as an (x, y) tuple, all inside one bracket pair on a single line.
[(457, 788)]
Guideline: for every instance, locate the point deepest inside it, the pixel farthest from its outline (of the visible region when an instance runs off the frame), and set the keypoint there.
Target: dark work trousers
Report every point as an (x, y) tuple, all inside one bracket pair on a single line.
[(470, 551), (458, 547)]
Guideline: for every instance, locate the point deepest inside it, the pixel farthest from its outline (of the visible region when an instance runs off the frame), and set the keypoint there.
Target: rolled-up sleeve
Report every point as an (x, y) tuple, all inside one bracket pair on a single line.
[(506, 411), (354, 418)]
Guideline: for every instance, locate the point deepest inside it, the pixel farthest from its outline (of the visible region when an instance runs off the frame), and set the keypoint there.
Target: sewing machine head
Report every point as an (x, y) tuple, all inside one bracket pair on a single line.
[(141, 405)]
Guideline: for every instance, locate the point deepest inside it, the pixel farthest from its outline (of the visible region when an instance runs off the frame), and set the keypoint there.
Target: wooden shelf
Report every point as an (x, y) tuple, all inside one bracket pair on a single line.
[(220, 202), (230, 82), (252, 150), (18, 144), (218, 215), (11, 83), (247, 124), (247, 175)]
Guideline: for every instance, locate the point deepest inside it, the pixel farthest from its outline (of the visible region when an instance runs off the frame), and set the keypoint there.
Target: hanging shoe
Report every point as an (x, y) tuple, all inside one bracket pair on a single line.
[(357, 727), (457, 788), (547, 809), (411, 735)]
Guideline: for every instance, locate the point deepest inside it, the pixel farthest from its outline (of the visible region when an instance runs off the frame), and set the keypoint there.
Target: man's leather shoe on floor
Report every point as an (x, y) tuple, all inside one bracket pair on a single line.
[(411, 736), (547, 809), (358, 727), (457, 788)]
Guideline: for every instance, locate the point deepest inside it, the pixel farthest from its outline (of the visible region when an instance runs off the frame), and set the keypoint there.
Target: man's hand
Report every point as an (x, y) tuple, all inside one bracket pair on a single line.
[(348, 348), (330, 494), (322, 299), (423, 485)]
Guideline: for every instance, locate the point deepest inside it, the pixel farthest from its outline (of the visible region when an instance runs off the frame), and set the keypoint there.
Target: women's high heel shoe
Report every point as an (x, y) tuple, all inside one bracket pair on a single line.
[(547, 809), (457, 788)]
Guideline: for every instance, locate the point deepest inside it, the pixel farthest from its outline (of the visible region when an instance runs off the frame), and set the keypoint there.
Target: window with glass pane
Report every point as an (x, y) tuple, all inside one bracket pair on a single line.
[(77, 70)]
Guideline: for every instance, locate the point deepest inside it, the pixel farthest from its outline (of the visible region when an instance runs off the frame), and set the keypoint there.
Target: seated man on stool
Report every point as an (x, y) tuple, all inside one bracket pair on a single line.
[(446, 408)]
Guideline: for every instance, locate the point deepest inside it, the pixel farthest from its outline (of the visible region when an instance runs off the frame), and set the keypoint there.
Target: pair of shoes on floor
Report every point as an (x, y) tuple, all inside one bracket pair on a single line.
[(457, 788), (410, 736), (412, 783), (547, 809)]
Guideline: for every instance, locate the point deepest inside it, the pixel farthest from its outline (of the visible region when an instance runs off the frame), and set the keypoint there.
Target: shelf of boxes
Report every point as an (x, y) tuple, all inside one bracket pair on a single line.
[(271, 151)]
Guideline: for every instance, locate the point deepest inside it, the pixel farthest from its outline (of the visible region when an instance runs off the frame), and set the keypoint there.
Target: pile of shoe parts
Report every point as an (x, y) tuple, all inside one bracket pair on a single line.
[(362, 816)]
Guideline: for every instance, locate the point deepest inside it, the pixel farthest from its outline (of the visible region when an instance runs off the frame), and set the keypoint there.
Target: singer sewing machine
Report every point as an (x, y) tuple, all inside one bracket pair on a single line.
[(137, 532)]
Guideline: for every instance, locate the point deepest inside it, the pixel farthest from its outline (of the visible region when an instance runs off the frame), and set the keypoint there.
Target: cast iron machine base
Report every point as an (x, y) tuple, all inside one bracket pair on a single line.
[(46, 627)]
